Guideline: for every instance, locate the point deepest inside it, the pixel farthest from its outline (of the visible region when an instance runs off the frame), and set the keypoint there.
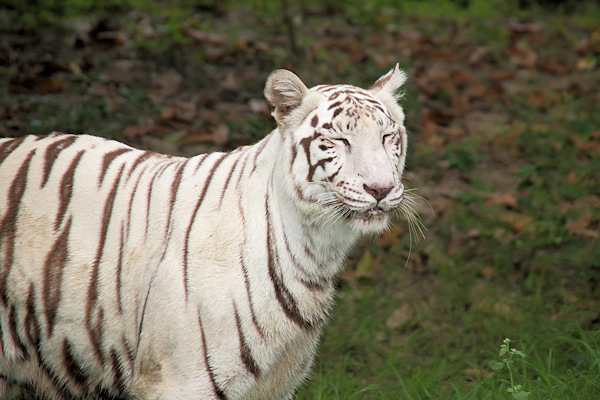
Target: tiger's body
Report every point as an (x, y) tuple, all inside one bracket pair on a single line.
[(130, 274)]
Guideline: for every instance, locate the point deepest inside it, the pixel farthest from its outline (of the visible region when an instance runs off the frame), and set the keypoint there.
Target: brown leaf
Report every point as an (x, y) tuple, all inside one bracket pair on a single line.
[(518, 222), (185, 110), (580, 227), (220, 134), (209, 38), (165, 84), (555, 66), (143, 128), (119, 71), (400, 316), (590, 44), (592, 144), (364, 267), (487, 272), (502, 199), (43, 85), (522, 56)]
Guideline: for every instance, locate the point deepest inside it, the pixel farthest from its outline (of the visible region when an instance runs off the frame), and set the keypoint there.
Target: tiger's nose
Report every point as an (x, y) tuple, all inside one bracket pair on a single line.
[(378, 192)]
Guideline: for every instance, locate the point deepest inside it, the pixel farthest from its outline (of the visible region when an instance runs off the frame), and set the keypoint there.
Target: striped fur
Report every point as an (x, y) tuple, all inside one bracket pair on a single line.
[(130, 274)]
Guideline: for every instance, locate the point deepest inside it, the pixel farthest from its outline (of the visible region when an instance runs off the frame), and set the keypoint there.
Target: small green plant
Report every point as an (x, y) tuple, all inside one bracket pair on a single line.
[(508, 356)]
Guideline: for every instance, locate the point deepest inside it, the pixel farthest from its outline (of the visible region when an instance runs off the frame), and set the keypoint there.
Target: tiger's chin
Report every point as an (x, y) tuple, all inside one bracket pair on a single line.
[(371, 221)]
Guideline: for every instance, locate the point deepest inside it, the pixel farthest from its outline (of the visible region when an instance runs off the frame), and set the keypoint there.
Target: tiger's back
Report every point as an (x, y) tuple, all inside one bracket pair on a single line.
[(129, 274), (55, 230)]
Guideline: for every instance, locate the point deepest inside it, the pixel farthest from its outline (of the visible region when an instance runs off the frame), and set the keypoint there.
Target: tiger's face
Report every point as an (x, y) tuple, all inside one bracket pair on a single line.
[(347, 148)]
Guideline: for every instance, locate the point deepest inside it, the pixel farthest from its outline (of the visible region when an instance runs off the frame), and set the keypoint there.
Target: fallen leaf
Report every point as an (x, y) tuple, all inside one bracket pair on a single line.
[(580, 227), (518, 222), (141, 129), (220, 134), (209, 38), (119, 71), (487, 272), (400, 316), (555, 66), (165, 84), (364, 267), (502, 199)]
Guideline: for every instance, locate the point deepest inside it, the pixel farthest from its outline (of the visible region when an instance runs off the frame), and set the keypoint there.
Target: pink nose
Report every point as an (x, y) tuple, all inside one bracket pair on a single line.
[(377, 191)]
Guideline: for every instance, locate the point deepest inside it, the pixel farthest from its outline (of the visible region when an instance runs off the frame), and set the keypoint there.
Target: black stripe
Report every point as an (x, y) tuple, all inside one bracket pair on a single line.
[(323, 284), (129, 353), (107, 159), (118, 371), (52, 152), (32, 325), (203, 157), (12, 324), (118, 277), (142, 157), (57, 383), (283, 295), (53, 272), (245, 351), (243, 263), (332, 176), (218, 391), (135, 189), (259, 149), (74, 371), (314, 121), (149, 198), (8, 146), (66, 190), (95, 327), (250, 303), (305, 143), (173, 195), (333, 105), (226, 185), (210, 175), (8, 226)]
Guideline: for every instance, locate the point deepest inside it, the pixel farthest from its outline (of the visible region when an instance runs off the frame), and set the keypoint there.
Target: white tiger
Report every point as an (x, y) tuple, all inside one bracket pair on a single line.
[(130, 274)]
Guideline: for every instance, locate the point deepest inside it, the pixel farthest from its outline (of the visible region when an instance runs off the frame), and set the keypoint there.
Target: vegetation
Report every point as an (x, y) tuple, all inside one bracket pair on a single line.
[(502, 109)]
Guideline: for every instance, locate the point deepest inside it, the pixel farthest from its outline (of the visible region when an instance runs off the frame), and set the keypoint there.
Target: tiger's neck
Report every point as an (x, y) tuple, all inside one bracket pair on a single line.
[(317, 249)]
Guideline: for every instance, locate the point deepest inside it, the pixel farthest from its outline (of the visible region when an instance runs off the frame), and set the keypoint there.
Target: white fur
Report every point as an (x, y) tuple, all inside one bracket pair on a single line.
[(173, 273)]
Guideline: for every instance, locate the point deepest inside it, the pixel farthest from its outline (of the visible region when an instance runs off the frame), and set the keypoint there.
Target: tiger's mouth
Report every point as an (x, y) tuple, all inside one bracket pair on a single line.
[(375, 214)]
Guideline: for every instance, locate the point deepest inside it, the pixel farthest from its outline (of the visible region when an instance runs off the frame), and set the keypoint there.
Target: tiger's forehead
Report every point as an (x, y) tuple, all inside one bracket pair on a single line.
[(354, 106), (335, 92)]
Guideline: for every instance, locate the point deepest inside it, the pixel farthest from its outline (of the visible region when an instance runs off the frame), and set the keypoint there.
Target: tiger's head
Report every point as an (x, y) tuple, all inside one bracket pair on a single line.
[(343, 148)]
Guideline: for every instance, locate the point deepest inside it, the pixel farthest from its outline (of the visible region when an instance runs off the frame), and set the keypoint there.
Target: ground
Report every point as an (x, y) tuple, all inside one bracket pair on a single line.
[(502, 110)]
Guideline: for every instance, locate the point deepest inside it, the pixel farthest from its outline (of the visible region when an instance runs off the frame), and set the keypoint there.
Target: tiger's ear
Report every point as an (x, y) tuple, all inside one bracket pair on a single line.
[(390, 82), (284, 92)]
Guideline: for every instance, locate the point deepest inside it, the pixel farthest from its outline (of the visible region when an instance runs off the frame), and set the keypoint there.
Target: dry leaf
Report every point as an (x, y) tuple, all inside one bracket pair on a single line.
[(501, 198), (364, 267), (119, 71), (220, 134), (580, 227), (165, 84), (400, 316)]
